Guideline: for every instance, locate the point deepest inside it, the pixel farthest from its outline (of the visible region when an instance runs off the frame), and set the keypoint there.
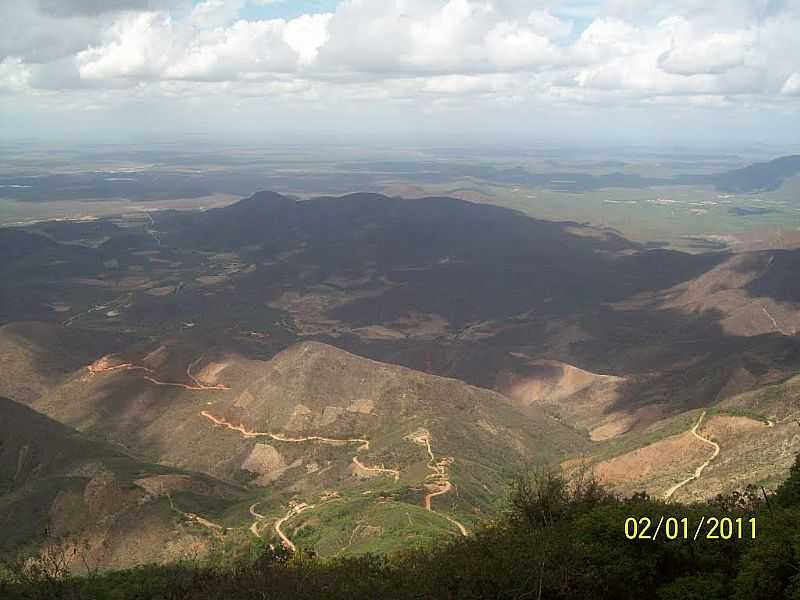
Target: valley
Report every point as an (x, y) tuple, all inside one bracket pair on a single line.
[(403, 300), (367, 374)]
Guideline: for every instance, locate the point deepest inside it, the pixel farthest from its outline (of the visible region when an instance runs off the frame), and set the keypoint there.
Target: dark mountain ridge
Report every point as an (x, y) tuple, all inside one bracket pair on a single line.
[(756, 177)]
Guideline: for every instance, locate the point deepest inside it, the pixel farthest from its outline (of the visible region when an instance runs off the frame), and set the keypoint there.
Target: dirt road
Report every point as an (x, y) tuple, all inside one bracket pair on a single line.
[(278, 437), (102, 366), (293, 512), (379, 469), (440, 481), (364, 444), (194, 518), (152, 229), (699, 470), (259, 517)]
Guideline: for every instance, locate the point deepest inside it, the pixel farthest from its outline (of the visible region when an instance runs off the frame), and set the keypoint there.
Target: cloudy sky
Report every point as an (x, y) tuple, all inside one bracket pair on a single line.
[(617, 71)]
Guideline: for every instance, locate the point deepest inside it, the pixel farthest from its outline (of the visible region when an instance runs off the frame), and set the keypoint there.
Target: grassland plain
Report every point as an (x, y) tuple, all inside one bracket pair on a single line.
[(692, 218)]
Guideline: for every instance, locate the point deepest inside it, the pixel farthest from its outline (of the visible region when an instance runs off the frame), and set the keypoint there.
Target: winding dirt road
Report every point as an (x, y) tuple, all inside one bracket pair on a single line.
[(699, 470), (789, 417), (103, 366), (195, 518), (152, 230), (259, 517), (439, 468), (94, 309), (297, 509), (379, 469), (293, 512), (364, 444), (439, 476), (777, 327)]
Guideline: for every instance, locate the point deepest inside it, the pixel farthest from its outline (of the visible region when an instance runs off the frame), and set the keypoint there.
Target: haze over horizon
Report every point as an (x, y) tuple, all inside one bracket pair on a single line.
[(574, 72)]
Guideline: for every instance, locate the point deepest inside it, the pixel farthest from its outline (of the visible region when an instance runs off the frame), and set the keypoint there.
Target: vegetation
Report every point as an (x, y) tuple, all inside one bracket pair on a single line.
[(266, 299), (557, 539)]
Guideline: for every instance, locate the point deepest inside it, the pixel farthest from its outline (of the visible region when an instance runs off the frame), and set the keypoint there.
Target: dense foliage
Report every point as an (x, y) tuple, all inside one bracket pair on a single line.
[(557, 540)]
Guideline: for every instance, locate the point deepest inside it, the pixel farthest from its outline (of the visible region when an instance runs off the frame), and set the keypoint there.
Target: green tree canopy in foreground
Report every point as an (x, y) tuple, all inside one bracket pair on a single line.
[(558, 539)]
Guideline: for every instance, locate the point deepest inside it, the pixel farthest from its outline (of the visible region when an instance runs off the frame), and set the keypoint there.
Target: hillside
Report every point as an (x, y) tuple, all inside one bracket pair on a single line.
[(753, 293), (758, 177), (35, 357), (371, 372), (58, 487), (314, 425), (745, 439), (16, 244), (557, 539)]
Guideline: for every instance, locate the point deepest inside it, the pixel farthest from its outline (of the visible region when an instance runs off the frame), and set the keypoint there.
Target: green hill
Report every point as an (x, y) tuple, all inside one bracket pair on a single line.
[(376, 451), (61, 489), (558, 539)]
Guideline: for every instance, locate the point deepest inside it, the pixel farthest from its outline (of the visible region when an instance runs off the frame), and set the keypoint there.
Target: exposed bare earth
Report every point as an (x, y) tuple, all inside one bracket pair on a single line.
[(439, 482), (580, 396), (754, 451), (724, 289), (107, 365), (653, 467), (699, 471), (297, 508)]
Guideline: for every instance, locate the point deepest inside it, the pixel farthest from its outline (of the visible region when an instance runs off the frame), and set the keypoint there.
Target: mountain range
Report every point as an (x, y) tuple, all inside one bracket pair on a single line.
[(365, 373)]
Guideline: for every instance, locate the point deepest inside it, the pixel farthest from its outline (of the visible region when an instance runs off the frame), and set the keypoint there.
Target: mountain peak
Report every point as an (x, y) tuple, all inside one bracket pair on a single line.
[(263, 201)]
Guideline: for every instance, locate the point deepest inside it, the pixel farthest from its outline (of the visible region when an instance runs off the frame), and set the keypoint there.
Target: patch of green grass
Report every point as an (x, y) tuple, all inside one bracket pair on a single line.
[(738, 412), (366, 524)]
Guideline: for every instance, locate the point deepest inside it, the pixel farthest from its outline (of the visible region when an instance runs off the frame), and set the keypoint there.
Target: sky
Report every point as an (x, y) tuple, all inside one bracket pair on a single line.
[(647, 72)]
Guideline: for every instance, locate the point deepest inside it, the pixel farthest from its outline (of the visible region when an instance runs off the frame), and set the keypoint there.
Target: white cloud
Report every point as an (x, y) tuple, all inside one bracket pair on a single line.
[(71, 8), (306, 35), (510, 46), (543, 23), (608, 38), (722, 54), (695, 51), (138, 46), (792, 85), (675, 56), (215, 13), (226, 54), (366, 40), (438, 37), (467, 84), (14, 75), (152, 45)]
